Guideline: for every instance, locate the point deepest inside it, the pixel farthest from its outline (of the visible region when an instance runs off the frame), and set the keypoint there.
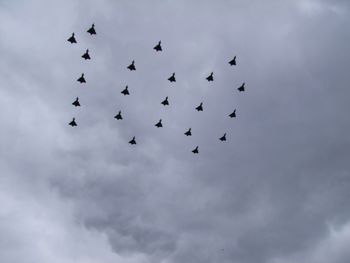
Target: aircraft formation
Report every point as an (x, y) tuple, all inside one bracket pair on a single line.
[(165, 102)]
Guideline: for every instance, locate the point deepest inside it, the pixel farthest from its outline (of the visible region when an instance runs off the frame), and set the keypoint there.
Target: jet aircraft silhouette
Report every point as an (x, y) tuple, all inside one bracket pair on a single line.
[(81, 79), (159, 124), (119, 116), (92, 30), (188, 133), (73, 123), (158, 47), (132, 141), (200, 107), (125, 91), (165, 102), (86, 55), (72, 39), (172, 78), (132, 66), (76, 102)]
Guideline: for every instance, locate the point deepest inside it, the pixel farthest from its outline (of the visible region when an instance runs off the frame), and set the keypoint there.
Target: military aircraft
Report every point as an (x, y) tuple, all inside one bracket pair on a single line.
[(195, 150), (223, 138), (125, 91), (233, 114), (158, 47), (81, 79), (172, 78), (119, 116), (159, 124), (86, 55), (132, 66), (233, 61), (210, 77), (92, 30), (200, 107), (241, 88), (73, 123), (165, 102), (76, 102), (72, 39), (188, 133), (132, 141)]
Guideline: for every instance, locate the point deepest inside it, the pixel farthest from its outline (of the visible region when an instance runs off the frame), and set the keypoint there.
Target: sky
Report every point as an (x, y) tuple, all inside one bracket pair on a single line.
[(276, 191)]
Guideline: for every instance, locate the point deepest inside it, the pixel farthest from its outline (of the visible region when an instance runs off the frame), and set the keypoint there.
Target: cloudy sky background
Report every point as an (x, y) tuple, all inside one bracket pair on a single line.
[(276, 192)]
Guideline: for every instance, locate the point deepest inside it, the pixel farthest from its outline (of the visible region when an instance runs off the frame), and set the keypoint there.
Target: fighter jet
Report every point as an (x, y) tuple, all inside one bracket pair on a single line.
[(76, 102), (119, 116), (158, 47), (159, 124), (210, 77), (92, 30), (125, 91), (241, 88), (73, 123), (195, 150), (233, 114), (72, 39), (223, 138), (165, 102), (132, 141), (188, 133), (233, 61), (172, 78), (81, 79), (200, 107), (132, 66), (86, 55)]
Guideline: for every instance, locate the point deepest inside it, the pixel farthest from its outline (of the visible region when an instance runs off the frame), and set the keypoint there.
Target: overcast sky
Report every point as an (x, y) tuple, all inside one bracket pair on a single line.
[(277, 191)]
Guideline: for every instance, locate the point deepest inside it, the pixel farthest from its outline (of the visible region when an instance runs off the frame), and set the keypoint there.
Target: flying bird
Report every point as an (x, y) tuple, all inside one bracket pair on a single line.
[(73, 123), (195, 150), (159, 124), (188, 133), (92, 30), (132, 66), (125, 91), (86, 55), (81, 79), (233, 61), (76, 102), (165, 102), (223, 138), (172, 78), (200, 107), (119, 116), (132, 141), (158, 47), (210, 77), (233, 114), (72, 39), (241, 88)]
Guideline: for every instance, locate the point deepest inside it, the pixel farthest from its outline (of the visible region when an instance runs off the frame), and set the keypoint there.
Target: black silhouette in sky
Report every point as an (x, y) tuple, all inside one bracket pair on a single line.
[(159, 124), (119, 116), (210, 77), (233, 114), (81, 79), (125, 91), (132, 66), (73, 123), (76, 102), (92, 30), (233, 61), (188, 133), (172, 78), (165, 102), (72, 39), (158, 47), (86, 55), (195, 150), (132, 141), (200, 107), (223, 138), (241, 88)]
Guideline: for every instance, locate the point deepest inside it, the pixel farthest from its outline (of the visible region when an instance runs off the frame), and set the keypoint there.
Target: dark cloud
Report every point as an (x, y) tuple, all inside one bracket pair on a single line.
[(275, 192)]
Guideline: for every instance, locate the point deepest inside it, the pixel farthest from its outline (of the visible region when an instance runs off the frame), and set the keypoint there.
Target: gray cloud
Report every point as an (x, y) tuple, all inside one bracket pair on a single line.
[(276, 192)]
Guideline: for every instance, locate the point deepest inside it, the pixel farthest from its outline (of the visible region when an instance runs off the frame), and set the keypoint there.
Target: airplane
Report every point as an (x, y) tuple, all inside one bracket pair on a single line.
[(188, 133), (200, 107), (210, 77), (76, 102), (132, 66), (233, 114), (81, 79), (223, 138), (165, 102), (125, 91), (159, 124), (72, 39), (158, 47), (92, 30), (119, 116), (233, 61), (132, 141), (172, 78), (241, 88), (86, 55), (73, 123), (195, 150)]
